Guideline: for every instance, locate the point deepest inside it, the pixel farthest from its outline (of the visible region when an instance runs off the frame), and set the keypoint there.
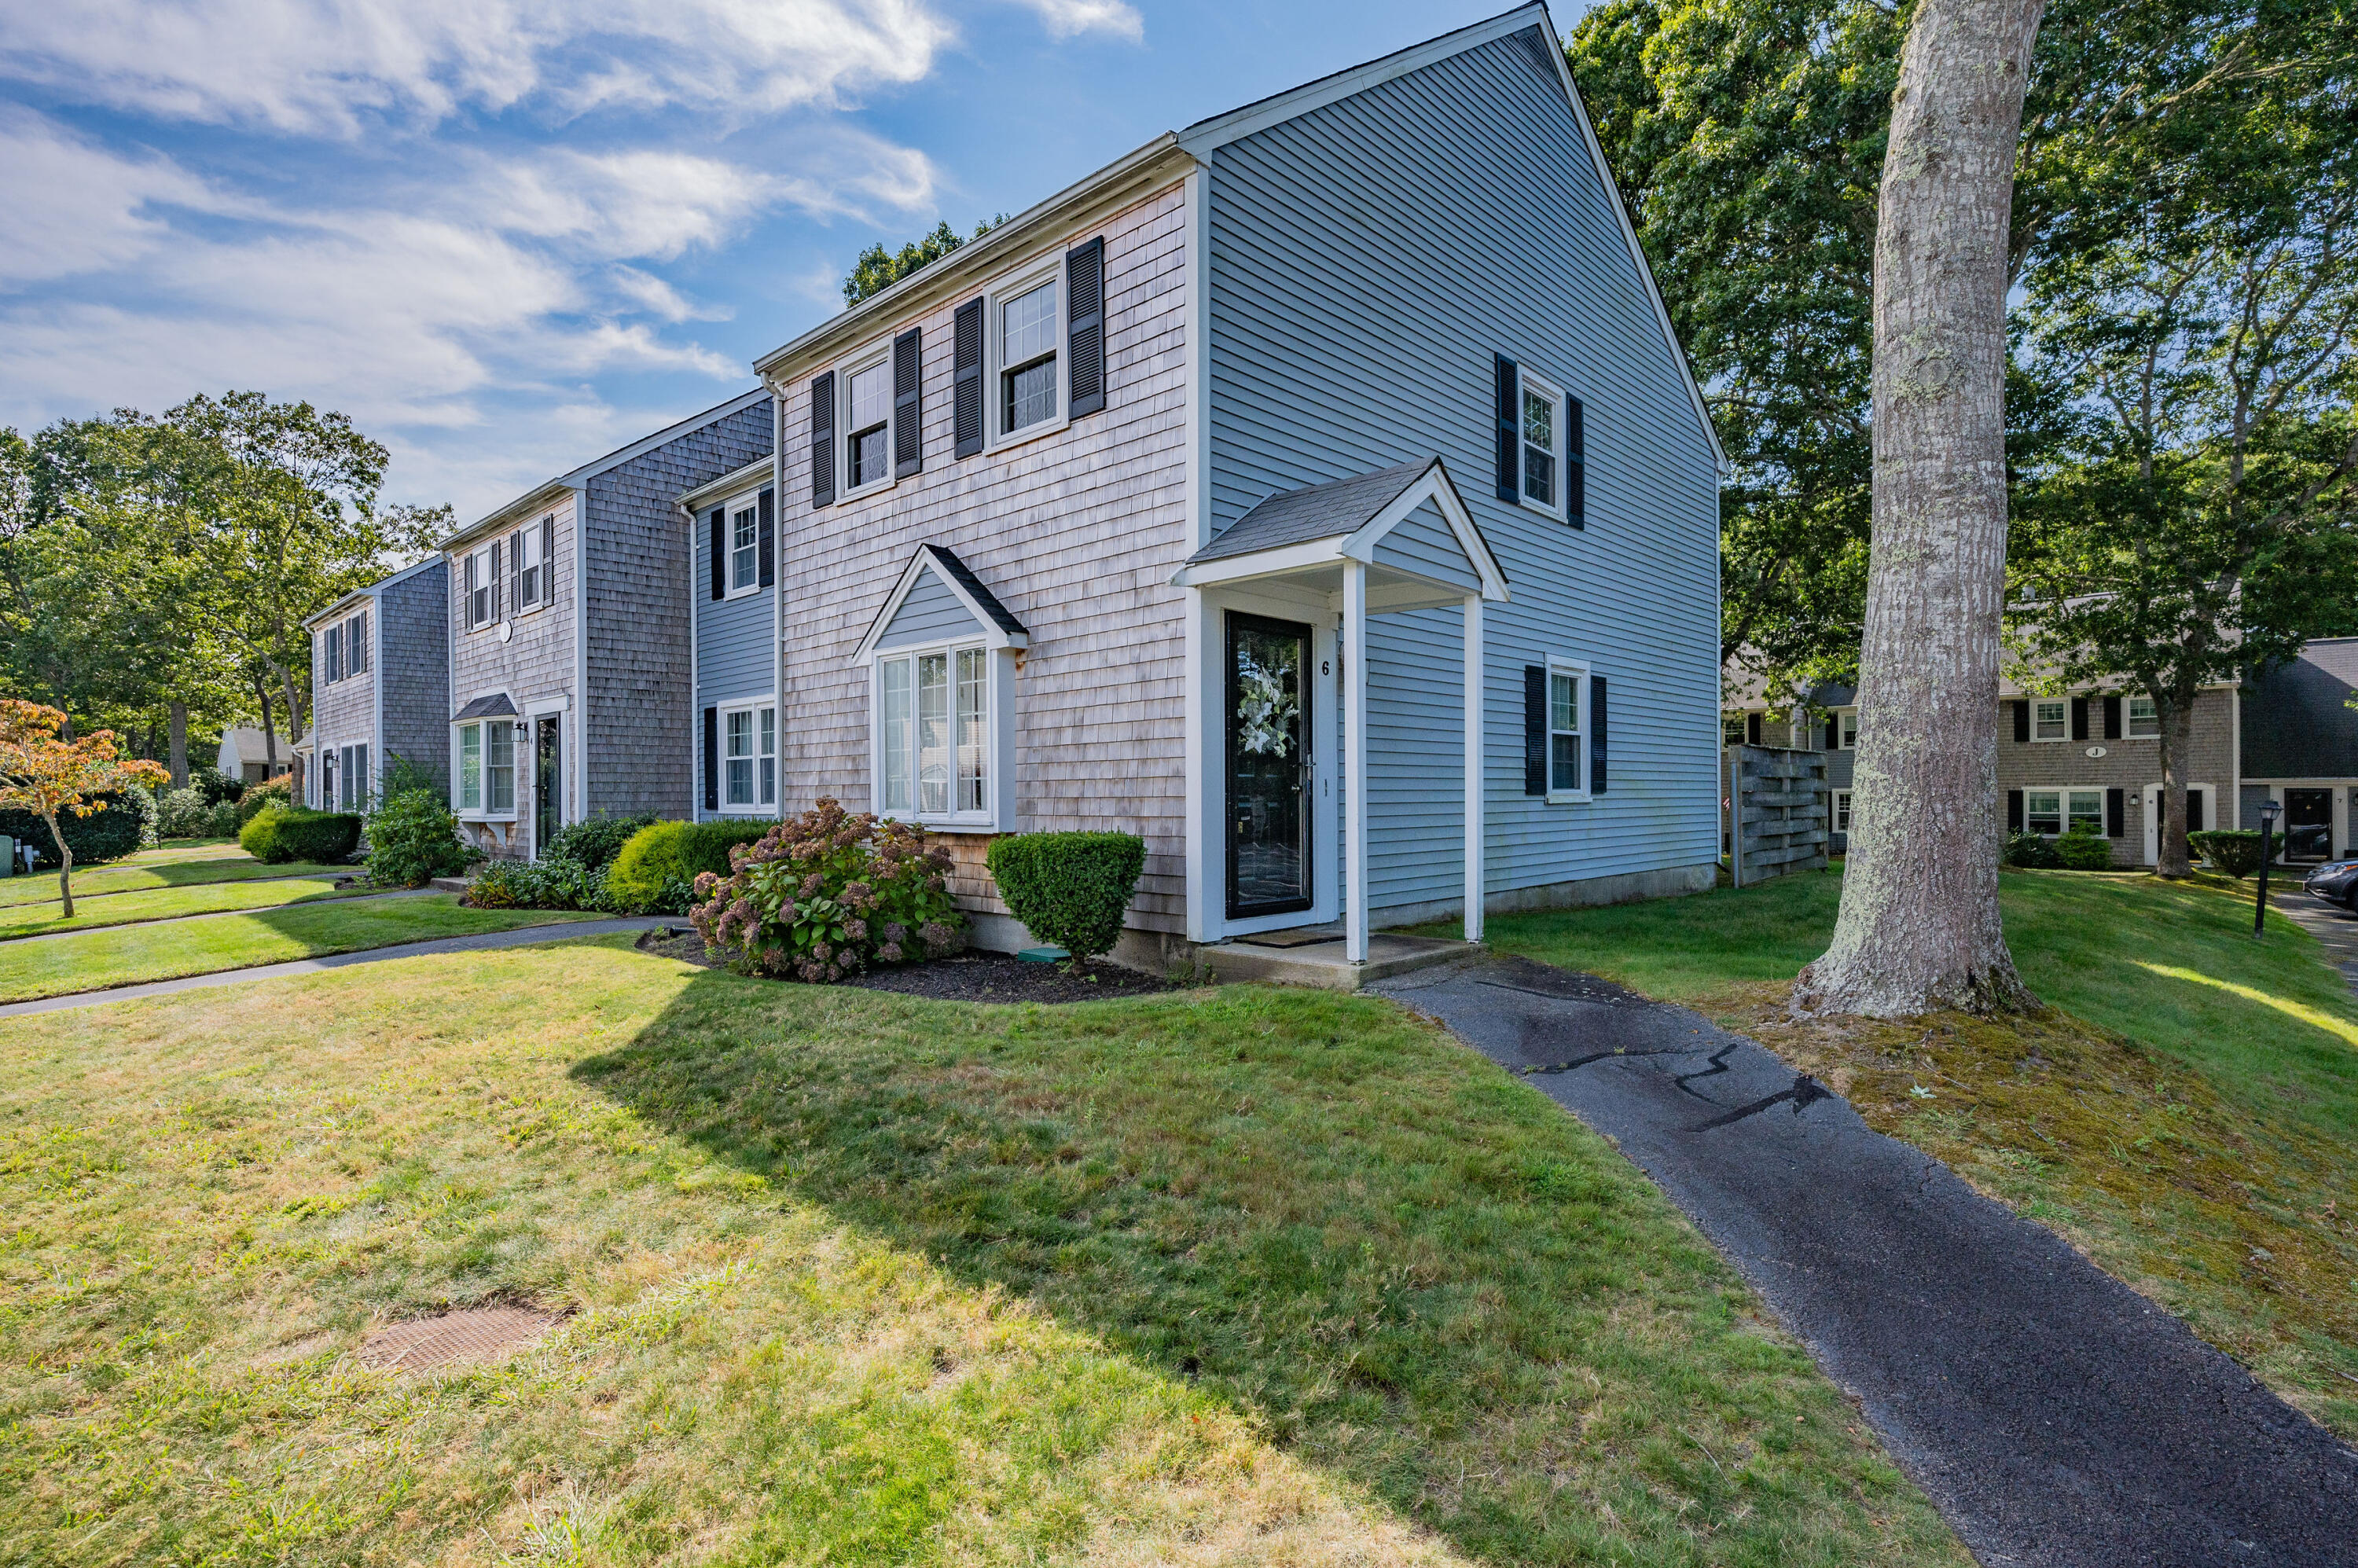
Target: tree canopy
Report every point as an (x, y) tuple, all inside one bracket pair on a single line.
[(877, 269)]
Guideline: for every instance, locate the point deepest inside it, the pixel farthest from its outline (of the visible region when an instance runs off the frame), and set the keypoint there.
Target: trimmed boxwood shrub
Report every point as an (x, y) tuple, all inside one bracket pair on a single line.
[(279, 791), (656, 872), (280, 834), (108, 834), (2235, 852), (2082, 851), (1069, 889)]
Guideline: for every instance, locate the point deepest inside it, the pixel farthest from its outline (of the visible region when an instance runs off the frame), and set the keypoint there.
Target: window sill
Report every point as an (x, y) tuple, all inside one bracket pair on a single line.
[(1569, 797), (1552, 513), (845, 497), (1030, 433), (735, 594), (488, 817)]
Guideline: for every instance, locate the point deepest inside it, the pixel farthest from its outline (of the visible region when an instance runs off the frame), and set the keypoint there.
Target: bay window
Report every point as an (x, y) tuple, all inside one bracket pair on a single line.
[(499, 767), (935, 735), (471, 767)]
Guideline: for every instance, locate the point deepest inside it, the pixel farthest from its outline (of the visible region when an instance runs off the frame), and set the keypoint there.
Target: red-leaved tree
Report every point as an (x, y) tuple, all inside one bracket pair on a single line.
[(42, 772)]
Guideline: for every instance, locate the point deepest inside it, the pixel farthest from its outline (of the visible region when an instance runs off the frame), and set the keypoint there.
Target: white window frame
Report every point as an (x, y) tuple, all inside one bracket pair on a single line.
[(1578, 670), (998, 684), (540, 536), (750, 503), (460, 775), (1842, 811), (519, 749), (1048, 269), (356, 628), (475, 567), (2065, 796), (1846, 730), (761, 804), (1526, 383), (869, 358), (2038, 703), (2129, 723)]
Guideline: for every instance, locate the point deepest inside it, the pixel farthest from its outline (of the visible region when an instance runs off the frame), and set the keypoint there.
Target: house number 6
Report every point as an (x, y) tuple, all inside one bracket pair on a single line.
[(1324, 667)]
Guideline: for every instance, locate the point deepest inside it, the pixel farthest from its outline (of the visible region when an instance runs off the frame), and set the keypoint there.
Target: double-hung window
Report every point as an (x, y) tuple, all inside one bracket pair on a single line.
[(332, 644), (1027, 358), (745, 547), (482, 588), (2052, 811), (1848, 729), (868, 411), (531, 561), (2145, 718), (1539, 434), (1842, 811), (352, 774), (471, 767), (356, 645), (1567, 722), (2050, 720), (934, 733), (499, 767), (748, 758)]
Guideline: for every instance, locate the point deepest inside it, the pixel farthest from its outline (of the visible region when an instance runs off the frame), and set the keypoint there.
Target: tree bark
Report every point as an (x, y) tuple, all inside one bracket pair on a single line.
[(2170, 858), (180, 744), (1919, 929), (269, 729), (65, 863)]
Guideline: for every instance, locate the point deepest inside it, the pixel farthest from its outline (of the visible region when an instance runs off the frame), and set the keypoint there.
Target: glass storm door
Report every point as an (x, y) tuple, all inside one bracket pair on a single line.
[(548, 785), (1268, 766), (2309, 825)]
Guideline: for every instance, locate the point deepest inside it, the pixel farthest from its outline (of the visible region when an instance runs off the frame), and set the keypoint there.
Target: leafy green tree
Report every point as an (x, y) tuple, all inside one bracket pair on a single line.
[(877, 269)]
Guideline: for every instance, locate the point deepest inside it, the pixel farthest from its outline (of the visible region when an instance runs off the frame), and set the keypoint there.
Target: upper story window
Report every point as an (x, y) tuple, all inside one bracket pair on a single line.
[(1542, 450), (356, 645), (1540, 434), (1027, 358), (480, 580), (868, 409), (2145, 718), (2050, 720), (744, 546), (532, 564), (1846, 729), (331, 660)]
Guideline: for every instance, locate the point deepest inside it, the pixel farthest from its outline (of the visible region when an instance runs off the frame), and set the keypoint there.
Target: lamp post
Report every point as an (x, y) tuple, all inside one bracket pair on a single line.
[(2267, 843)]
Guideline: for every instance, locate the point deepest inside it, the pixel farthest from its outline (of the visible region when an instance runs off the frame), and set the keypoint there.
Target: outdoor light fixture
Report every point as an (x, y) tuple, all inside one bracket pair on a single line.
[(2267, 827)]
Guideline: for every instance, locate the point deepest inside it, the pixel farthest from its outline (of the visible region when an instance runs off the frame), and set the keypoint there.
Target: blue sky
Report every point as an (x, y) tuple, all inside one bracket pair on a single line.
[(508, 235)]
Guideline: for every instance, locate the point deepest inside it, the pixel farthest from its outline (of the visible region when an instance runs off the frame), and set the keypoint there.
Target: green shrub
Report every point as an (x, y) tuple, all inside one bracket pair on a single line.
[(2232, 851), (527, 884), (215, 785), (825, 895), (1069, 889), (2080, 850), (107, 834), (279, 791), (2031, 850), (221, 821), (655, 871), (412, 838), (280, 834), (593, 845), (184, 813)]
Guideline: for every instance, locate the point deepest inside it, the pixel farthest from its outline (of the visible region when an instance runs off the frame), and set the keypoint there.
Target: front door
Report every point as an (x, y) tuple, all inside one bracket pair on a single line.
[(548, 785), (2309, 825), (2198, 817), (1268, 766)]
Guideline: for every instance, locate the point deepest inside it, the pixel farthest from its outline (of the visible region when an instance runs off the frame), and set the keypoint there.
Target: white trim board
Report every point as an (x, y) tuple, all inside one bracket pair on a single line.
[(925, 557)]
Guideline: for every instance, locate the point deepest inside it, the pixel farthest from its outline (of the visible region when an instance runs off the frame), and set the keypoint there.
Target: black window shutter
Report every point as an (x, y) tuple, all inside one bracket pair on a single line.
[(2116, 810), (965, 381), (515, 569), (721, 552), (2079, 718), (1575, 465), (1085, 330), (1834, 732), (908, 403), (822, 439), (549, 560), (1752, 729), (1505, 382), (712, 759), (1535, 746), (2013, 809), (2021, 720), (332, 646), (358, 640), (2194, 811), (767, 554), (1596, 734), (495, 581), (2112, 722)]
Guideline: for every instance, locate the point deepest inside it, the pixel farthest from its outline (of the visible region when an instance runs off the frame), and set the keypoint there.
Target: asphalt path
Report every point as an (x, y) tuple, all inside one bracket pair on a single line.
[(2057, 1417)]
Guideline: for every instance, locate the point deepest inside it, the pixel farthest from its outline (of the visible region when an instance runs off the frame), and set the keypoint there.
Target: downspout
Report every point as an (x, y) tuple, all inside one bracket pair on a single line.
[(694, 646), (777, 593), (579, 771), (376, 695)]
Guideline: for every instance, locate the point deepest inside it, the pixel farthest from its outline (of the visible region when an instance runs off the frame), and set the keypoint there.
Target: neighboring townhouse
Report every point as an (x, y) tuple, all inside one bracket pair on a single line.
[(244, 755), (2297, 741), (380, 687), (571, 660), (1319, 492)]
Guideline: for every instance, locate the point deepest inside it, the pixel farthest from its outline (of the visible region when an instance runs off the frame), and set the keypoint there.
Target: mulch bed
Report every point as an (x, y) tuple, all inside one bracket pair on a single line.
[(967, 977)]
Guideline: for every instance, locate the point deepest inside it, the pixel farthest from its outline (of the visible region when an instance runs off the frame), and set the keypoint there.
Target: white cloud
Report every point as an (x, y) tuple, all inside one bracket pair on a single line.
[(72, 206), (330, 67), (1068, 18)]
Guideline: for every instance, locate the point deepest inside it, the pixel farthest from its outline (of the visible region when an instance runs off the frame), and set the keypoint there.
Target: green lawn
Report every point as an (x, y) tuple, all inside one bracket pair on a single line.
[(129, 955), (150, 869), (165, 904), (2186, 1111), (1245, 1276)]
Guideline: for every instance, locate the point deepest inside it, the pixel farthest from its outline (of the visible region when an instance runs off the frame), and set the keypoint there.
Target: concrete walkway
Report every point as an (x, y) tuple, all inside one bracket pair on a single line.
[(218, 914), (520, 937), (2329, 924), (2055, 1416)]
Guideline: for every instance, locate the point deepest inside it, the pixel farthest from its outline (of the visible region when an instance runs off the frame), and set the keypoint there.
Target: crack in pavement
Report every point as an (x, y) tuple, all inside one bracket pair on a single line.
[(1806, 1092)]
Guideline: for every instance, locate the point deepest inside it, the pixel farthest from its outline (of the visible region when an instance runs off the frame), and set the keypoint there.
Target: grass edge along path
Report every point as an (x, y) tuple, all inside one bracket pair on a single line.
[(136, 873), (1250, 1275), (148, 905), (2184, 1112), (109, 958)]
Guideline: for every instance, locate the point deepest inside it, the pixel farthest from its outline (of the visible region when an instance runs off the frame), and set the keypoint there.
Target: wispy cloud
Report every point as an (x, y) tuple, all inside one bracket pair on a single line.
[(1068, 18), (331, 67)]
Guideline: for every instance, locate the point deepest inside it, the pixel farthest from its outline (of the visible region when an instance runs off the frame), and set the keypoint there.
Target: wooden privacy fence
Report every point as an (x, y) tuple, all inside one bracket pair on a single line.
[(1781, 804)]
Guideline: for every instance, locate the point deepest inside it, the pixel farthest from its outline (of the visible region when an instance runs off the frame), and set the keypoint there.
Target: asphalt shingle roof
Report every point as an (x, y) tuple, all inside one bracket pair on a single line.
[(1318, 512)]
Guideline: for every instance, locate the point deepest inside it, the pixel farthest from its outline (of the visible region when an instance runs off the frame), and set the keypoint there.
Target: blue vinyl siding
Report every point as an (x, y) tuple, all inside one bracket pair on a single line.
[(733, 655), (1423, 544), (1367, 259), (931, 613)]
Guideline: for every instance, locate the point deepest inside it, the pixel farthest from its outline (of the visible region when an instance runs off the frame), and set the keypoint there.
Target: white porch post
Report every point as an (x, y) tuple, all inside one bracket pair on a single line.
[(1354, 761), (1475, 882)]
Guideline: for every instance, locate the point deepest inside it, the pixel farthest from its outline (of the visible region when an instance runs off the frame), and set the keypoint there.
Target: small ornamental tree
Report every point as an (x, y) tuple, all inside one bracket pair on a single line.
[(44, 774)]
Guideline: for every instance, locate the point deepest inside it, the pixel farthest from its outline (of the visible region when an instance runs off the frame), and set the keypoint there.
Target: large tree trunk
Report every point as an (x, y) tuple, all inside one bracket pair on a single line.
[(1919, 929), (180, 744), (269, 729), (65, 863), (2170, 859)]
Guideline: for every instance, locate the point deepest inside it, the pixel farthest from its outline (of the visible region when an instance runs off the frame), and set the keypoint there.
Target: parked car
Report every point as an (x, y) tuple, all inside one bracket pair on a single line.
[(2336, 882)]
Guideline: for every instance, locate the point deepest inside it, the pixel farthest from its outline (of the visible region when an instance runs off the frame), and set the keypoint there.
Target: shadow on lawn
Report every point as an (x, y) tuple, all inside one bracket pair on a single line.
[(1404, 1268)]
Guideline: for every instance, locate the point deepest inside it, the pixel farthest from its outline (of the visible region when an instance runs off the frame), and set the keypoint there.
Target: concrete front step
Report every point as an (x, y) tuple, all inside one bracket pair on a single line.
[(451, 884), (1323, 965)]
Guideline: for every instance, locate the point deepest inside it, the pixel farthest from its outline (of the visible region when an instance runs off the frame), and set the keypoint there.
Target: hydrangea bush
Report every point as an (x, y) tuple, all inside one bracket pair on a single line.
[(823, 896)]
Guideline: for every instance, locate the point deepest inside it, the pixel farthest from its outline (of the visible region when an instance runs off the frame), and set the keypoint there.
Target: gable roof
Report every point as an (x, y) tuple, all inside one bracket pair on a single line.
[(1198, 142), (1314, 512), (372, 591), (1345, 519), (1005, 631), (497, 706), (531, 500)]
